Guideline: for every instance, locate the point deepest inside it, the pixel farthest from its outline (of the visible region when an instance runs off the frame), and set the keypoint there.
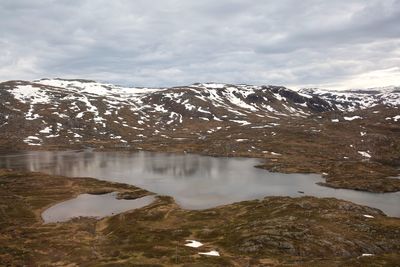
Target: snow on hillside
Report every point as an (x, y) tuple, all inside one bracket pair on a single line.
[(69, 108), (207, 101), (351, 100)]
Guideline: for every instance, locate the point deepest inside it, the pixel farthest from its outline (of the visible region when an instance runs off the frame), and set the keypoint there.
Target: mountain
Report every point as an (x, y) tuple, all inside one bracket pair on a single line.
[(309, 130)]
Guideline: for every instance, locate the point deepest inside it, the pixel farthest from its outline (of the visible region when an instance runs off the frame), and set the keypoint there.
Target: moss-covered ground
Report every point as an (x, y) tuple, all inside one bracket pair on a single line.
[(275, 231)]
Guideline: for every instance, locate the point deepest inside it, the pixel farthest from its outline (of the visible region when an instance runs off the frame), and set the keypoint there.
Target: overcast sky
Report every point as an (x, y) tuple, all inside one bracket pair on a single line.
[(321, 43)]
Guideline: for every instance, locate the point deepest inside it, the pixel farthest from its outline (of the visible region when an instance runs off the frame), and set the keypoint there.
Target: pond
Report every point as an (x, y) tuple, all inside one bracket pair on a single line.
[(195, 181), (97, 206)]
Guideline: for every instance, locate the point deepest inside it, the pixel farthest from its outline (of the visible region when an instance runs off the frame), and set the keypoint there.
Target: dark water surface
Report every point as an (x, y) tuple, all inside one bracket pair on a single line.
[(196, 182)]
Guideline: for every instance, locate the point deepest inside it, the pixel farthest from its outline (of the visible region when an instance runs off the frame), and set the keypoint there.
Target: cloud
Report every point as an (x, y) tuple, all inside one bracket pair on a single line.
[(338, 44)]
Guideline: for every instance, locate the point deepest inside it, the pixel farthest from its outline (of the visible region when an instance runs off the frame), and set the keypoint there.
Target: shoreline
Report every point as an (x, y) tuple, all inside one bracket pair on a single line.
[(280, 230)]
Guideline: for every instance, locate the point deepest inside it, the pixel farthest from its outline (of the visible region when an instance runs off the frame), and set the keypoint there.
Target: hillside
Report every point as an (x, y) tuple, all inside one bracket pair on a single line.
[(351, 137)]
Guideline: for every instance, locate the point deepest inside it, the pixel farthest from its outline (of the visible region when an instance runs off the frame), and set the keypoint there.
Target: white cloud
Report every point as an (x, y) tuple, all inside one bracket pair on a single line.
[(374, 78), (340, 44)]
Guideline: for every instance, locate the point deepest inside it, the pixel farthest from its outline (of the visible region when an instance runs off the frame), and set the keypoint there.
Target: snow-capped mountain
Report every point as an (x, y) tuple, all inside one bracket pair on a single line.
[(351, 100), (50, 111)]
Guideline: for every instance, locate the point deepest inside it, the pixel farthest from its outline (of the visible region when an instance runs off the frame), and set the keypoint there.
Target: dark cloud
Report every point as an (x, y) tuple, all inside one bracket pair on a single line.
[(353, 43)]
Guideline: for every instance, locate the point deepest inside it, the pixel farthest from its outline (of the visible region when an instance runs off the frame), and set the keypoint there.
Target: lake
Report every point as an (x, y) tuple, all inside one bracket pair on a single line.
[(195, 181)]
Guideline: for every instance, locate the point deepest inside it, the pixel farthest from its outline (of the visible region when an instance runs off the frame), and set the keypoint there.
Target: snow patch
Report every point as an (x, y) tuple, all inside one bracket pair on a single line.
[(193, 244), (243, 123), (352, 118), (46, 130), (211, 253), (33, 141), (364, 154)]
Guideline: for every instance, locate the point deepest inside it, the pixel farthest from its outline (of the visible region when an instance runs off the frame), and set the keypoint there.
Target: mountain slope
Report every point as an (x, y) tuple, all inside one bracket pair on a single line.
[(350, 135)]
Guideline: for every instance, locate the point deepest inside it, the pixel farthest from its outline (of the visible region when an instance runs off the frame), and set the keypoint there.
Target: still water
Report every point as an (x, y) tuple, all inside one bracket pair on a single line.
[(196, 182), (98, 206)]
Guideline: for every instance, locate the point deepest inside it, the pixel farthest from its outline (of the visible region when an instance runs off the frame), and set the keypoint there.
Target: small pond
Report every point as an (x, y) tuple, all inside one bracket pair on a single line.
[(196, 182), (97, 206)]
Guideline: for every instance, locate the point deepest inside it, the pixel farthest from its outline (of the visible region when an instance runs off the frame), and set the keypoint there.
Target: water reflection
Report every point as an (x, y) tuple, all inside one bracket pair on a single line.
[(196, 182)]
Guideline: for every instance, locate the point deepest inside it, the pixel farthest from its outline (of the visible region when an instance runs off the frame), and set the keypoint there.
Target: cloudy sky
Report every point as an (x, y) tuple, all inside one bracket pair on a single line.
[(332, 44)]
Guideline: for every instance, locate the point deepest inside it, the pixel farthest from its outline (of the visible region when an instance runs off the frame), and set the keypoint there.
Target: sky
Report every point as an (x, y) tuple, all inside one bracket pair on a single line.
[(309, 43)]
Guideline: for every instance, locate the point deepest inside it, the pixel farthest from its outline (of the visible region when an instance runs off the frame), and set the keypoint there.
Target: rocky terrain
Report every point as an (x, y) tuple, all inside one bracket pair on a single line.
[(275, 231), (351, 137)]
